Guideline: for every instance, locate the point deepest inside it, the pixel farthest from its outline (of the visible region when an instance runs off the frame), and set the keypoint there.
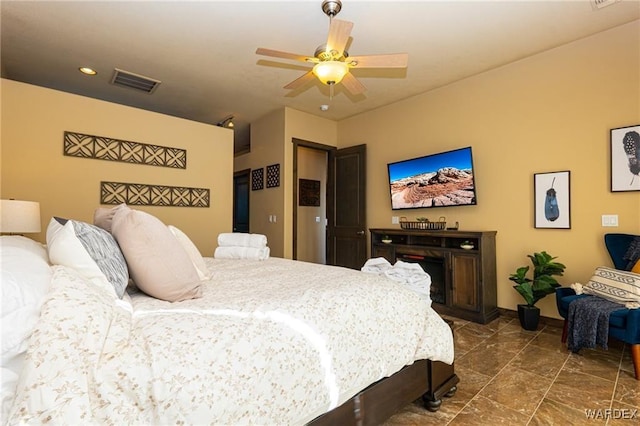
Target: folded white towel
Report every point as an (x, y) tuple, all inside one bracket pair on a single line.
[(240, 239), (242, 253), (407, 272), (411, 275), (376, 265)]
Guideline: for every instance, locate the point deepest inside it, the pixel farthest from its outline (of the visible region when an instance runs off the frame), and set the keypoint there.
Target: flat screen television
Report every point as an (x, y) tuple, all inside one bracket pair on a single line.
[(444, 179)]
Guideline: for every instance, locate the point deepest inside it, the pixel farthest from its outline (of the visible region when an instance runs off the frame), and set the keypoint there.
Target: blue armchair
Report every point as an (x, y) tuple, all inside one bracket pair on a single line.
[(624, 324)]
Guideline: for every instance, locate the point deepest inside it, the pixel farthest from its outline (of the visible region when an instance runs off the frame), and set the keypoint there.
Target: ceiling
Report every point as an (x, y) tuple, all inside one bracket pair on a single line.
[(203, 52)]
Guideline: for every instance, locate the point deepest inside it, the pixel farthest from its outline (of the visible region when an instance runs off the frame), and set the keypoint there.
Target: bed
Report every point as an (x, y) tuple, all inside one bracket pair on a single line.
[(269, 341)]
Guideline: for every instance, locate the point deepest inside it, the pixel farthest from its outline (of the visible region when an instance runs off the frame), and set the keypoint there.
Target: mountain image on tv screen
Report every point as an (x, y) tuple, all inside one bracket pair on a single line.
[(438, 180)]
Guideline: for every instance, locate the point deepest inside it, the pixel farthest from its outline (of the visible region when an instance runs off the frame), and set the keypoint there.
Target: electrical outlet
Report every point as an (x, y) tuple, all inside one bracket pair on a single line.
[(395, 220)]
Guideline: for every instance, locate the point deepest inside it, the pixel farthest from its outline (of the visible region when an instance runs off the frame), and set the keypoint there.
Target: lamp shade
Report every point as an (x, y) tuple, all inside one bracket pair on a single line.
[(330, 72), (19, 216)]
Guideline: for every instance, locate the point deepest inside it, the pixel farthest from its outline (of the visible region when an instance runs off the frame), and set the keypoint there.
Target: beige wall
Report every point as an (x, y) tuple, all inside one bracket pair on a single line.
[(550, 112), (34, 168), (311, 247), (301, 125), (271, 143), (267, 148)]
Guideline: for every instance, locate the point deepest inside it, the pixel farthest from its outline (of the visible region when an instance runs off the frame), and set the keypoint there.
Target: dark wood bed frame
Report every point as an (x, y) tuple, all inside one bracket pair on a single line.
[(430, 380)]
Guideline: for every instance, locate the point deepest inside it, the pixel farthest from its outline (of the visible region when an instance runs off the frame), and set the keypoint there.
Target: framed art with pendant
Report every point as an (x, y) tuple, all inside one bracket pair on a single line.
[(625, 159), (552, 200)]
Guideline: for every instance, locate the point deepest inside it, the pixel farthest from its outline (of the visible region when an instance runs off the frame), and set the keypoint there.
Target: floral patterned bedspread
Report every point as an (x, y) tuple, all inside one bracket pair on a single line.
[(270, 342)]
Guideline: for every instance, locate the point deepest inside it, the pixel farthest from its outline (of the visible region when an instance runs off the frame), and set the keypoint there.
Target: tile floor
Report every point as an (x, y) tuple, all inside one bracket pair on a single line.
[(515, 377)]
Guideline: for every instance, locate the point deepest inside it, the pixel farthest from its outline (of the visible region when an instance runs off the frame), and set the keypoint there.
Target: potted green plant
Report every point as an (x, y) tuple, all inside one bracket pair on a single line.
[(539, 286)]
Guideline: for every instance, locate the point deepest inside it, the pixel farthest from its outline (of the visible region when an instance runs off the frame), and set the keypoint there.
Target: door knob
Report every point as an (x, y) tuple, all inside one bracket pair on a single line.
[(360, 233)]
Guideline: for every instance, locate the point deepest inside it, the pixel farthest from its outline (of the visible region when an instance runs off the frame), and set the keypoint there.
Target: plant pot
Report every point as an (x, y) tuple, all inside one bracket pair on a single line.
[(529, 317)]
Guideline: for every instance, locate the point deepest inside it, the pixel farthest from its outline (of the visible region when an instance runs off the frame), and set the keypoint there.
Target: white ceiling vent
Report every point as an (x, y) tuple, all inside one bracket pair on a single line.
[(599, 4), (134, 81)]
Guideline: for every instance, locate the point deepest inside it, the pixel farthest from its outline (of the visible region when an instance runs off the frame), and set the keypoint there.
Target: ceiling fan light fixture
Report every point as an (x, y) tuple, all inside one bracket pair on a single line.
[(330, 72)]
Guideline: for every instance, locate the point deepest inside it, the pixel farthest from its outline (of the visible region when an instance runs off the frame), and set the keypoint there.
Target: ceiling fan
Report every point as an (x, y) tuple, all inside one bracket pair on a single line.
[(332, 61)]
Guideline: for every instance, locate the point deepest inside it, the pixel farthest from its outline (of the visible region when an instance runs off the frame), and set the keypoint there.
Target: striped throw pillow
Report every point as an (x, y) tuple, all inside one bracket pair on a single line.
[(90, 250), (616, 285)]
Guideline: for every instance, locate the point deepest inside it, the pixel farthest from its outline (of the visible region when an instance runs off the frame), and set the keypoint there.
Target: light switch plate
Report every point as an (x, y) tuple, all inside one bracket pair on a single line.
[(609, 220)]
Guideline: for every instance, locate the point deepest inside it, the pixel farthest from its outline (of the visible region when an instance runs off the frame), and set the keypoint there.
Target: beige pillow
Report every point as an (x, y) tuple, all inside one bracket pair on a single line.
[(192, 251), (103, 216), (158, 264), (616, 285)]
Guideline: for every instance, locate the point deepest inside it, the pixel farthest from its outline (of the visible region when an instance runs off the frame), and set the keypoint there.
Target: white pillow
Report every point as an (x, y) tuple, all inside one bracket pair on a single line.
[(192, 251), (90, 250), (25, 277)]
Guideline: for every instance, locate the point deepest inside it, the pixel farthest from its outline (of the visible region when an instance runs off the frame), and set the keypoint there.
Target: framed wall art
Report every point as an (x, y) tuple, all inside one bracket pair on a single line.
[(110, 149), (552, 200), (309, 192), (257, 179), (141, 194), (273, 176), (625, 159)]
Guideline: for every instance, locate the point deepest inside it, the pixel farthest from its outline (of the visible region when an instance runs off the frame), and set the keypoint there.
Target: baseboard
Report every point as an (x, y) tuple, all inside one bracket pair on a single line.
[(552, 322)]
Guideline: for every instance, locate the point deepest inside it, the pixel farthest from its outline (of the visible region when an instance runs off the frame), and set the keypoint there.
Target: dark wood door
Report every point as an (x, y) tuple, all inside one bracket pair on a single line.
[(346, 207), (241, 201)]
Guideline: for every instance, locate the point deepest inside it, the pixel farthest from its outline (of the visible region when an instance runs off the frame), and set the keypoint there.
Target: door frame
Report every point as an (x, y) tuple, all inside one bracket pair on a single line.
[(307, 144)]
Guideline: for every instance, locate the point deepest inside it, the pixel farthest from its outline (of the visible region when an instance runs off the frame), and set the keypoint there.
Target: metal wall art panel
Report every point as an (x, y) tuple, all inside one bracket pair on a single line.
[(257, 179), (103, 148), (139, 194), (273, 175)]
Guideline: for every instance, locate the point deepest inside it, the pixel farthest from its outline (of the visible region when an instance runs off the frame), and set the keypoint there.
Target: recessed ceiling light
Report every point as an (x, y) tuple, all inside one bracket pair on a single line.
[(324, 107), (88, 71)]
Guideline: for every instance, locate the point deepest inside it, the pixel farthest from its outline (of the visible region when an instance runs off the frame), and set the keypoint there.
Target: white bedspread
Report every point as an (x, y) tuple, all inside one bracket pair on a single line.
[(271, 342)]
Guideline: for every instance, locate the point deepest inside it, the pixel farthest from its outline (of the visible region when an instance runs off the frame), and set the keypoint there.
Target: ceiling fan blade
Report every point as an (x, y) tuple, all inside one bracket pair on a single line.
[(284, 55), (339, 32), (392, 60), (300, 81), (352, 84)]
